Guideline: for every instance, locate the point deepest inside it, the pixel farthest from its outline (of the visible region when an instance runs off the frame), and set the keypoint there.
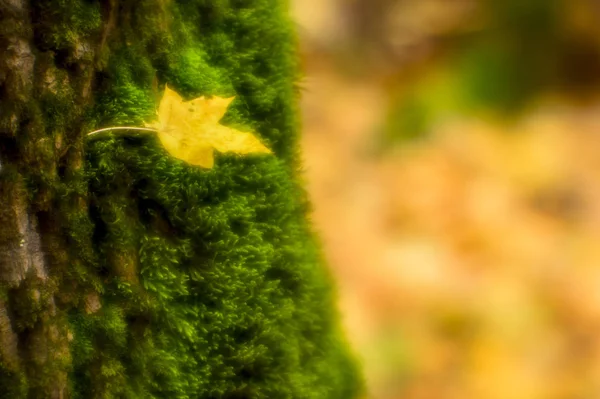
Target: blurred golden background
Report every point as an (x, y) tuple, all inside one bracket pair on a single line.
[(452, 153)]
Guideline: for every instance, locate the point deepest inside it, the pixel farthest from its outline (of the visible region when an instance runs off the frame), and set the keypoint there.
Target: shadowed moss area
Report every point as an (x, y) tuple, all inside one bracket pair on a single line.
[(195, 283)]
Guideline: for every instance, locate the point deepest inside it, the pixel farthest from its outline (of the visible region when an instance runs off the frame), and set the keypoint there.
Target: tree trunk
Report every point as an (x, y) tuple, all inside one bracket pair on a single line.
[(124, 272)]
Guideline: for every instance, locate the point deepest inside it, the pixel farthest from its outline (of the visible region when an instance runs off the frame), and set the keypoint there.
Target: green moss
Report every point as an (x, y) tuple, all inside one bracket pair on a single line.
[(210, 282), (236, 280), (191, 72)]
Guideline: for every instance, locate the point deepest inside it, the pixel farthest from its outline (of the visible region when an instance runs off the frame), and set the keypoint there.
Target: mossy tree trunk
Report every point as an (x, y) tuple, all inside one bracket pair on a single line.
[(125, 273)]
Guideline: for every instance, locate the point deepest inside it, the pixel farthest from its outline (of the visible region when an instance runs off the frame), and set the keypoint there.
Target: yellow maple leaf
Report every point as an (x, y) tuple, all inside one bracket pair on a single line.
[(190, 130)]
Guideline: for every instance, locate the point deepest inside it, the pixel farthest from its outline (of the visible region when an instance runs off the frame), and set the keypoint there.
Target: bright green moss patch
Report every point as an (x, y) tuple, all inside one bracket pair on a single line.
[(251, 44)]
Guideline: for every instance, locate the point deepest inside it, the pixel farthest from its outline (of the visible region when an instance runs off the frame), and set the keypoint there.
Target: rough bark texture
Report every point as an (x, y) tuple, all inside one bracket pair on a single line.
[(125, 273)]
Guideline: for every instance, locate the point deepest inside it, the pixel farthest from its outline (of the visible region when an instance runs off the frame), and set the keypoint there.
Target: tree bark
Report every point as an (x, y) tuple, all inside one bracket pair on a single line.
[(125, 273)]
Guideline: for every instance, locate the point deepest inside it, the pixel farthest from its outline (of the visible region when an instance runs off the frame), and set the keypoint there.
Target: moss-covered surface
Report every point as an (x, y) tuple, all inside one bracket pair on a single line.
[(231, 299), (167, 280)]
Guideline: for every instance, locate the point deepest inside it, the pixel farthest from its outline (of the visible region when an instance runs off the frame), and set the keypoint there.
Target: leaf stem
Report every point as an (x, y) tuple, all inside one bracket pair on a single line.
[(145, 129)]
